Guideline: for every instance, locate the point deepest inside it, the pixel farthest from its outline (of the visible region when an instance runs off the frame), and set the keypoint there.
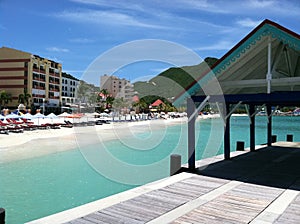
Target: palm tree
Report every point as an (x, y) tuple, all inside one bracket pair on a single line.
[(141, 105), (5, 98), (109, 101), (106, 97), (24, 97), (104, 93)]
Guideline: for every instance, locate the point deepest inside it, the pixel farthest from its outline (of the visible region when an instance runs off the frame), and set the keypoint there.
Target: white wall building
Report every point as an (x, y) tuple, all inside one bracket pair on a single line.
[(69, 86)]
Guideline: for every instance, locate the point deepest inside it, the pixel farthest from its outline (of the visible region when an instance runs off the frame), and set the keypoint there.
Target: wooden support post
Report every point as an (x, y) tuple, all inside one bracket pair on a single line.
[(175, 164), (269, 114), (191, 133), (227, 132), (252, 127), (2, 216)]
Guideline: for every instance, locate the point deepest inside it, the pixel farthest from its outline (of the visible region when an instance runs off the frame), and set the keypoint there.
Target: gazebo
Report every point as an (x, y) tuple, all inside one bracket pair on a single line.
[(263, 69)]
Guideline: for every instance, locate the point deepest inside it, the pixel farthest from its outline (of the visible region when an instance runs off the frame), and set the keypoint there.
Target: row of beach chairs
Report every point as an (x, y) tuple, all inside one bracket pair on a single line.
[(19, 126)]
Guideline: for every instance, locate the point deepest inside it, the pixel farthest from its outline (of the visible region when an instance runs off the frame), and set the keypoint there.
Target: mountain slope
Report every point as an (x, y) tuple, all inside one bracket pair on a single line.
[(172, 81)]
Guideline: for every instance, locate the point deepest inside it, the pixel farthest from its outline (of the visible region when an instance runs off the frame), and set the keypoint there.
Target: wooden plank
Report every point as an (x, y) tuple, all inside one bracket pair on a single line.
[(239, 205), (148, 203), (125, 211), (106, 218), (92, 220), (80, 221)]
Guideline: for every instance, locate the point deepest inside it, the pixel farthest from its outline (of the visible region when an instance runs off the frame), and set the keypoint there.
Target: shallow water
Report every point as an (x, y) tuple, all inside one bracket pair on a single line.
[(37, 187)]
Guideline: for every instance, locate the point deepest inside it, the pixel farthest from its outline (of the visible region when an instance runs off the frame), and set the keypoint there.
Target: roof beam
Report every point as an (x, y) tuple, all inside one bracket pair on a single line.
[(261, 82), (273, 98)]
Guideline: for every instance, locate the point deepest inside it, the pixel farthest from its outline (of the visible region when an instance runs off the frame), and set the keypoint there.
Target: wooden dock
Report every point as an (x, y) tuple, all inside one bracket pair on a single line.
[(253, 187)]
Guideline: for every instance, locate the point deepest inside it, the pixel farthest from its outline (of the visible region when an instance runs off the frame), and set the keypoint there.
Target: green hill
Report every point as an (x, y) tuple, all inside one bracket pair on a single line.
[(172, 81)]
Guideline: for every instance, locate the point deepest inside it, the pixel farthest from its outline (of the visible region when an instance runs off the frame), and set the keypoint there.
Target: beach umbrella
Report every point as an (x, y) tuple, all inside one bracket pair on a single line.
[(52, 115), (38, 116), (74, 116), (12, 116), (64, 114), (27, 116)]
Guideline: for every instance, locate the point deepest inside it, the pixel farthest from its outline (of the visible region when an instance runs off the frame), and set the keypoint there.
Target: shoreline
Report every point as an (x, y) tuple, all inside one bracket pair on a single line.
[(36, 143)]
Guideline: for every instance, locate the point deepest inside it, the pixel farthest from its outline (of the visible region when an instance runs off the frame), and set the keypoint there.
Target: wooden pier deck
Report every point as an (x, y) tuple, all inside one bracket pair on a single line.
[(252, 187)]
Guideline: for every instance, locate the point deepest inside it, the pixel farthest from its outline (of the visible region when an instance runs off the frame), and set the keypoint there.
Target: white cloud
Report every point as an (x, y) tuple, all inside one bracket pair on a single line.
[(113, 4), (81, 40), (262, 4), (221, 45), (248, 22), (56, 49), (105, 17), (203, 5)]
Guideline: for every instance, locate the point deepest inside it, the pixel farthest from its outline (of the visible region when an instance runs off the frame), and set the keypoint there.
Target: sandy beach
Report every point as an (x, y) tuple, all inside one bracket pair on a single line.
[(17, 146)]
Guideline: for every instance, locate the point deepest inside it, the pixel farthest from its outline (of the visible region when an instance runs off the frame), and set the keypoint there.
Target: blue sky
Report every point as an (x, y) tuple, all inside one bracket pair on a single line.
[(76, 32)]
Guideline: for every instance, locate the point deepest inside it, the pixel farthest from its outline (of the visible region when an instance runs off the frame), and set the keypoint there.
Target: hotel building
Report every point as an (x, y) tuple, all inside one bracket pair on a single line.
[(21, 71), (69, 86), (118, 88)]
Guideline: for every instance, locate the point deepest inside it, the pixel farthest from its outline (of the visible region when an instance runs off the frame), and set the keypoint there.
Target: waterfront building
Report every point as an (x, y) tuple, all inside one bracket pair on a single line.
[(25, 72), (69, 85), (118, 88)]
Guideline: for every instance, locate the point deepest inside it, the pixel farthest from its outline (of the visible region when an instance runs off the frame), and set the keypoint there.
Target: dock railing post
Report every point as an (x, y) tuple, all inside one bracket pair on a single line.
[(240, 146), (191, 133), (175, 164), (252, 127), (269, 132), (289, 138), (2, 216), (226, 108)]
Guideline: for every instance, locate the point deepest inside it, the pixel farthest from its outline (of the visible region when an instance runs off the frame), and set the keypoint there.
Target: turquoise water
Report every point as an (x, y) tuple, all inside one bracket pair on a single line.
[(37, 187)]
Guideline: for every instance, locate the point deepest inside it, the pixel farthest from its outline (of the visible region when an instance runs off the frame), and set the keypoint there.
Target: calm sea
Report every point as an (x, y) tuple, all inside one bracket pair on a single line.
[(41, 186)]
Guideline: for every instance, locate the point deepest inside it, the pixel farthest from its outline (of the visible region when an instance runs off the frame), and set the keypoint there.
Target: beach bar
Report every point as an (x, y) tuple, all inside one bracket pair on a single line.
[(262, 72)]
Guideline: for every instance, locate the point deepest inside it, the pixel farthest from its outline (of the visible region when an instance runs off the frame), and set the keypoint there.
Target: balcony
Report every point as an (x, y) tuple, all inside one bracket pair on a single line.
[(54, 97), (39, 79), (38, 96), (54, 90), (39, 87)]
